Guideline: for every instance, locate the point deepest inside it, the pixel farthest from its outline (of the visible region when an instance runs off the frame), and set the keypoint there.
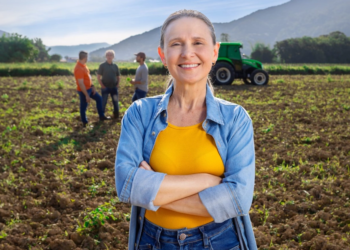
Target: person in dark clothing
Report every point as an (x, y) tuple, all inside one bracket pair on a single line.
[(109, 72)]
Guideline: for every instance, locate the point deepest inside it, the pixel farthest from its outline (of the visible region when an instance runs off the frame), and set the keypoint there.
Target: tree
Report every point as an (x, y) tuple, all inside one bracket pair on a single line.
[(332, 48), (15, 48), (263, 53), (43, 54), (224, 37), (55, 58)]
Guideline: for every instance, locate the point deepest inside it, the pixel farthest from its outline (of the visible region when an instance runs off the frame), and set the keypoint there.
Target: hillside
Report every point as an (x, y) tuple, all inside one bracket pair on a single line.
[(2, 32), (296, 18), (73, 51), (125, 50)]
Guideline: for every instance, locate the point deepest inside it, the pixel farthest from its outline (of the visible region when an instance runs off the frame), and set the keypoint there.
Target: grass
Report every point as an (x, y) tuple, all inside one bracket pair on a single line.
[(51, 69), (128, 68)]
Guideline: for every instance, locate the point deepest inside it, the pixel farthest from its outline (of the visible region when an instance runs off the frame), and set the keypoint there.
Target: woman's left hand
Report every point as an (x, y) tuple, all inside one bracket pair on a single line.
[(144, 165)]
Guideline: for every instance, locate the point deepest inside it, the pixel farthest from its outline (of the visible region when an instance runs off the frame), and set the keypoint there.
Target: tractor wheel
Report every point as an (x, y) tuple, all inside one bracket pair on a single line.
[(223, 73), (259, 77)]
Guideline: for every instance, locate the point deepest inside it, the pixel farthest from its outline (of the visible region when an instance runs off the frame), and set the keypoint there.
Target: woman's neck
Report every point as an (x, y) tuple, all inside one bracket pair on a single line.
[(189, 96)]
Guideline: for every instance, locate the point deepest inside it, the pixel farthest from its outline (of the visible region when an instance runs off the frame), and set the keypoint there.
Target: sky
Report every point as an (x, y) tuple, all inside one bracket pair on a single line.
[(72, 22)]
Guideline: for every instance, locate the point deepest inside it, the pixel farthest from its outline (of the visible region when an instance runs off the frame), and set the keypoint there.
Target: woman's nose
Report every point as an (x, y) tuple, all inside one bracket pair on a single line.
[(187, 50)]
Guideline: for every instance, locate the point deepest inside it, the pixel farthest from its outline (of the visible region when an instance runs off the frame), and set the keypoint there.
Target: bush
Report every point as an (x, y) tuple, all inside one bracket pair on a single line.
[(55, 58), (262, 53)]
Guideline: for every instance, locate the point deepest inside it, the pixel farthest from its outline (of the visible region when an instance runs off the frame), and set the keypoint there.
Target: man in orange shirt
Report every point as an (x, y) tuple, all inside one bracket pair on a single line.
[(86, 90)]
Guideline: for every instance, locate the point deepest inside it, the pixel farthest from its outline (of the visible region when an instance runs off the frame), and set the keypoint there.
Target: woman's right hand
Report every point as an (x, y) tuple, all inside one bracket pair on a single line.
[(212, 180), (144, 165)]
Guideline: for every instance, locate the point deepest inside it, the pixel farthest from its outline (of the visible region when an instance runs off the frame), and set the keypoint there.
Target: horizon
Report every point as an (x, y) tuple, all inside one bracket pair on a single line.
[(56, 28)]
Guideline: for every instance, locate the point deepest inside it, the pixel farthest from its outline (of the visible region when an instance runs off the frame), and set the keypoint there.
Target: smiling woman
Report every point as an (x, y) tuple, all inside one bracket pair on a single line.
[(201, 21), (185, 159)]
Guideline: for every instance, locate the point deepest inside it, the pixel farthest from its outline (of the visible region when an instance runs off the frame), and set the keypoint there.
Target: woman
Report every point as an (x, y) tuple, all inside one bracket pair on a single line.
[(185, 159)]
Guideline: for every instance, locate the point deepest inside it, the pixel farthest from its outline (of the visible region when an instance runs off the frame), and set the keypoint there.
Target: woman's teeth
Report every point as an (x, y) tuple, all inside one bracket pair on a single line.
[(188, 65)]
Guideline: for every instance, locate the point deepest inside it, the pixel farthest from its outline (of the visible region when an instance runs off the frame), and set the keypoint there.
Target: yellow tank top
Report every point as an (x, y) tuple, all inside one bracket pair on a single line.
[(183, 151)]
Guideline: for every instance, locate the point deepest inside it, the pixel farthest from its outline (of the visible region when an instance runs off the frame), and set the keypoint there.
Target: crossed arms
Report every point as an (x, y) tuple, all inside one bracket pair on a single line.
[(197, 194), (185, 199)]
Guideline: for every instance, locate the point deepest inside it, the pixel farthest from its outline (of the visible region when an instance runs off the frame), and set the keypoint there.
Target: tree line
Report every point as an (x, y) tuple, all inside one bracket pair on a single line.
[(332, 48), (18, 48)]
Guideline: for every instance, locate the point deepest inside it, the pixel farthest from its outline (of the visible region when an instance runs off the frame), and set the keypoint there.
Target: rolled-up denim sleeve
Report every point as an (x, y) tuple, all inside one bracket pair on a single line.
[(136, 186), (233, 197)]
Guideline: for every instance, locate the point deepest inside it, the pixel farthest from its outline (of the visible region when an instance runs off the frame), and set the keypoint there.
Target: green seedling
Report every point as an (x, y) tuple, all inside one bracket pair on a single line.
[(97, 218), (346, 107), (60, 84), (5, 97), (269, 128), (3, 235)]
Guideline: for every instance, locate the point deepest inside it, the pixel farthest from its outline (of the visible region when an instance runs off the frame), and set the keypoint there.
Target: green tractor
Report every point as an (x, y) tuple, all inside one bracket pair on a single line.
[(231, 65)]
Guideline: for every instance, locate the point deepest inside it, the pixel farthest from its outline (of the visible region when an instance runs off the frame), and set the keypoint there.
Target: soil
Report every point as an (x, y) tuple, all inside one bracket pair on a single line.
[(54, 172)]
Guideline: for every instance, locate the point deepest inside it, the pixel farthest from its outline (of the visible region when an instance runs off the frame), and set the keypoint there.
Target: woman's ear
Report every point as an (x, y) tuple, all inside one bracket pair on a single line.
[(216, 51), (161, 55)]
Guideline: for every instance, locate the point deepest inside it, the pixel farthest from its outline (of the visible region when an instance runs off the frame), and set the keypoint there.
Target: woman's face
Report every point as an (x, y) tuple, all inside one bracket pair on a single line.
[(188, 50)]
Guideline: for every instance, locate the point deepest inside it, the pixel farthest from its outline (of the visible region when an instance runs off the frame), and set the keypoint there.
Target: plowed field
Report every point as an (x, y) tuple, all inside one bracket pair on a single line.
[(57, 187)]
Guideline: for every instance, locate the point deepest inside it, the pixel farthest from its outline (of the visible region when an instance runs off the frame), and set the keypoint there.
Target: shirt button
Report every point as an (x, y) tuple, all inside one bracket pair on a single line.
[(153, 133), (140, 218), (183, 236), (164, 115)]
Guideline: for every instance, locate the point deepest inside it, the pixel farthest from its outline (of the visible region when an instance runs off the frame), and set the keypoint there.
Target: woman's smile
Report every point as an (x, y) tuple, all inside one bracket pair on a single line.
[(189, 66), (188, 51)]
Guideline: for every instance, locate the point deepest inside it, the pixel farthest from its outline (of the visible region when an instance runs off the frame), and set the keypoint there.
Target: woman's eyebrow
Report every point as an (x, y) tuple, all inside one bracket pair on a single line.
[(193, 38)]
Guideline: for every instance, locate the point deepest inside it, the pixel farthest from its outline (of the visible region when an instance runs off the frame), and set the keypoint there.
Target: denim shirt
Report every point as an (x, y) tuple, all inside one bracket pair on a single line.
[(229, 125)]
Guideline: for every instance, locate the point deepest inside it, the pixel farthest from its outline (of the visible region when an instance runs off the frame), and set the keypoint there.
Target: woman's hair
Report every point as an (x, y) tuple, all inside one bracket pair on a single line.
[(187, 13)]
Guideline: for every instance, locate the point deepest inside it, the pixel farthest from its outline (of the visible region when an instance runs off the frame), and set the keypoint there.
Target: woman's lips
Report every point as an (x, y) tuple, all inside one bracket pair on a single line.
[(189, 66)]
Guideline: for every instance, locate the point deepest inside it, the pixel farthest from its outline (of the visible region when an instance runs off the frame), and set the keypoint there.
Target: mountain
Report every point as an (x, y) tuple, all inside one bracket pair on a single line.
[(296, 18), (146, 42), (3, 32), (73, 51)]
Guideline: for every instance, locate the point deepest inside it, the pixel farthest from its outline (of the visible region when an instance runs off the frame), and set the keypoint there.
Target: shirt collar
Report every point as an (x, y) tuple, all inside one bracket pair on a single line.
[(79, 63), (213, 109)]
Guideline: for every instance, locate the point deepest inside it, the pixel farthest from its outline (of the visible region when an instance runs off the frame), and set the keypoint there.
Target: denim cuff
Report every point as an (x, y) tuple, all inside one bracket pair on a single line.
[(218, 202), (145, 187)]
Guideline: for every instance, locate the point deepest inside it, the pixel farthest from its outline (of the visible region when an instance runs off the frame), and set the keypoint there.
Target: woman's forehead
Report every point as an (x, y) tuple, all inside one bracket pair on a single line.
[(187, 27)]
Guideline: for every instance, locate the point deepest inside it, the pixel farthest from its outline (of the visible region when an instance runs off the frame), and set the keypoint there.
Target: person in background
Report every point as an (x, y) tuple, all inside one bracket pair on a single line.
[(86, 90), (141, 78), (109, 72)]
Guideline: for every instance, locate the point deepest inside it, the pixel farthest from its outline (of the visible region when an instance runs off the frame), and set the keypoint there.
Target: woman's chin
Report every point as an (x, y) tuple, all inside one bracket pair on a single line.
[(190, 80)]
